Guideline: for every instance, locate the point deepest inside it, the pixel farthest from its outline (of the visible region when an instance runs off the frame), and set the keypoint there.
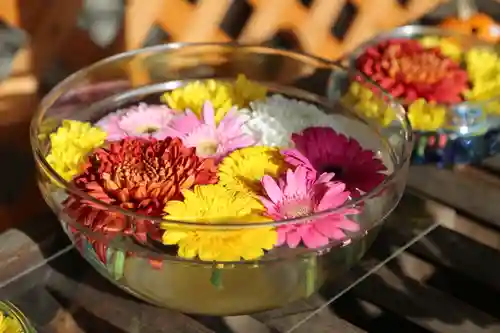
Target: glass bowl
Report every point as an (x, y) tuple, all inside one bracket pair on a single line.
[(452, 98), (155, 273), (9, 312)]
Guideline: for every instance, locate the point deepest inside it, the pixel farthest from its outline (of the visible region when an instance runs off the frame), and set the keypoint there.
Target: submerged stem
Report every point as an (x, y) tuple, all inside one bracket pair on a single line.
[(311, 275), (216, 277)]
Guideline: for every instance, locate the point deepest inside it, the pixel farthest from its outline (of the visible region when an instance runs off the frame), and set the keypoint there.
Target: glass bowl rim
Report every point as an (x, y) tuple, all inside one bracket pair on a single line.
[(57, 91), (407, 32), (18, 315)]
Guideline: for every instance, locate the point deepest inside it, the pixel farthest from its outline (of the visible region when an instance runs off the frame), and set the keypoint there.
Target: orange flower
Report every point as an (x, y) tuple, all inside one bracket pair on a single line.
[(409, 71), (138, 175)]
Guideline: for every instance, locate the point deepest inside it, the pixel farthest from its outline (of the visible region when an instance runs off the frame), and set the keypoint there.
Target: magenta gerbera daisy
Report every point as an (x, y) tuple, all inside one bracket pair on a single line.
[(321, 149), (140, 121), (297, 195), (209, 138)]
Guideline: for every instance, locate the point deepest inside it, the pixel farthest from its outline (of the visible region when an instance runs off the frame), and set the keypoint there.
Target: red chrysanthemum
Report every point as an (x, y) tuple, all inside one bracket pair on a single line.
[(410, 71), (321, 149), (138, 175)]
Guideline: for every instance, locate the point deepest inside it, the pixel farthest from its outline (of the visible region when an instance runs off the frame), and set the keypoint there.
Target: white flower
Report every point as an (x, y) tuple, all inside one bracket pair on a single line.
[(273, 120)]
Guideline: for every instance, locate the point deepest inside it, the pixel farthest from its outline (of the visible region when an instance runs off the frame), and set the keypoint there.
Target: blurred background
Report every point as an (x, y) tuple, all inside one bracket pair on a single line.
[(43, 41)]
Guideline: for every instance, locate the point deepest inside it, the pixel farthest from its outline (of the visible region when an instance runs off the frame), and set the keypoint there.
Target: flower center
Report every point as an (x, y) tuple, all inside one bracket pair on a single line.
[(333, 168), (149, 129), (419, 67), (206, 148), (297, 208)]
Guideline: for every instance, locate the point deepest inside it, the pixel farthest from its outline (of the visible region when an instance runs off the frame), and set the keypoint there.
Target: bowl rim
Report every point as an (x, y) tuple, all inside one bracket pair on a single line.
[(59, 90), (408, 32)]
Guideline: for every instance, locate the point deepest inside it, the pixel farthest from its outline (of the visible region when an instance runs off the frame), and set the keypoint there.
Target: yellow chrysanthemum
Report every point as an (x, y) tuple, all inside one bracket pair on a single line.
[(223, 95), (483, 67), (448, 46), (243, 169), (9, 324), (426, 116), (364, 101), (70, 144), (217, 204)]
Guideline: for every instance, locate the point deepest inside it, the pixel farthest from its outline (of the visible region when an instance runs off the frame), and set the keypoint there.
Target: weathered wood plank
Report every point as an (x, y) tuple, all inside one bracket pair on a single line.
[(473, 196), (457, 252), (324, 322), (371, 317), (98, 306), (394, 289)]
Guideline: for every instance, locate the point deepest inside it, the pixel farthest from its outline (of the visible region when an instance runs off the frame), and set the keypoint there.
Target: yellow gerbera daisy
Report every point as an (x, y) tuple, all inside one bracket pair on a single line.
[(70, 144), (426, 116), (223, 95), (217, 204), (243, 169), (9, 324)]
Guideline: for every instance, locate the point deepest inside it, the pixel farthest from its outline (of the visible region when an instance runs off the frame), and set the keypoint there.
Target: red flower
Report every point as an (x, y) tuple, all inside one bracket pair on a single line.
[(321, 149), (138, 175), (409, 71)]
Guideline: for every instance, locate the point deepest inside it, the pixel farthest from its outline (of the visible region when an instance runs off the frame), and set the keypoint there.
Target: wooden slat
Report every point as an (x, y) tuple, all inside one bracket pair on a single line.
[(289, 316), (98, 306), (432, 309), (457, 252), (470, 195)]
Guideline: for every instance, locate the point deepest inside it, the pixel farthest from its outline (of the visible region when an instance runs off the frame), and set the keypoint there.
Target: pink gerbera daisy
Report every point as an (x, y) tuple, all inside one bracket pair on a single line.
[(321, 149), (143, 121), (209, 138), (298, 195)]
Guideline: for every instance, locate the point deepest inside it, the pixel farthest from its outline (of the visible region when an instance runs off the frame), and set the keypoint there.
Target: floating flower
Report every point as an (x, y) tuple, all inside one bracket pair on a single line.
[(70, 145), (210, 139), (483, 67), (297, 195), (426, 116), (223, 95), (141, 121), (216, 204), (138, 175), (273, 120), (367, 104), (9, 324), (321, 149), (409, 71), (243, 168), (448, 46)]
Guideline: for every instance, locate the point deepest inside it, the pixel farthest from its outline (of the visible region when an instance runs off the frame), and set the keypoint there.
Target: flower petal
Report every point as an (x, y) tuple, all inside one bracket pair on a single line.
[(313, 239), (272, 189)]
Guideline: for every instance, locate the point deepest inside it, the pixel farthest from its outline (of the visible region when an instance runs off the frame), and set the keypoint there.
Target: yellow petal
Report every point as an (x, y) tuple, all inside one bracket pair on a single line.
[(171, 237)]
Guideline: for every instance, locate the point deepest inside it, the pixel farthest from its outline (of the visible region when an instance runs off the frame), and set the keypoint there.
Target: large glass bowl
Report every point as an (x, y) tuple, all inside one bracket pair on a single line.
[(446, 133), (157, 276)]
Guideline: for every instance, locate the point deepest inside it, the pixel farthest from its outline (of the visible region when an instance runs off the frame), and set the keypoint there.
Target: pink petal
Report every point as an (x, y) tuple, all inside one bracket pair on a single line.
[(270, 206), (291, 187), (295, 158), (325, 177), (281, 237), (313, 239), (334, 197), (348, 225), (293, 239), (327, 227), (272, 189), (209, 114)]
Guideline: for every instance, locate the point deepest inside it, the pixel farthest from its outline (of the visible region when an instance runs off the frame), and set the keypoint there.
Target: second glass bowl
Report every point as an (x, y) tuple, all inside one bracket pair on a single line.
[(447, 82)]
